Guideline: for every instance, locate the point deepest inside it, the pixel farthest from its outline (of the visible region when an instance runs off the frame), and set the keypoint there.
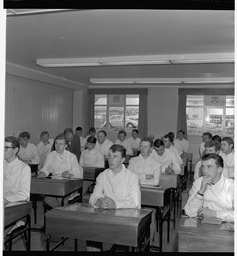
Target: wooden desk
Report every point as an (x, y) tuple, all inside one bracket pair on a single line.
[(196, 237), (160, 199), (12, 213), (55, 187), (129, 227), (91, 173)]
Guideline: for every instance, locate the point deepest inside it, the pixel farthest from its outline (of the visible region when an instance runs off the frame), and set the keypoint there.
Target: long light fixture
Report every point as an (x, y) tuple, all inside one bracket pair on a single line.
[(138, 60)]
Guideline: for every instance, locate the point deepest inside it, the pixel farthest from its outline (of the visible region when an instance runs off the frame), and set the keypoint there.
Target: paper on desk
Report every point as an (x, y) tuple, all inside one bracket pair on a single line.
[(150, 186), (210, 220)]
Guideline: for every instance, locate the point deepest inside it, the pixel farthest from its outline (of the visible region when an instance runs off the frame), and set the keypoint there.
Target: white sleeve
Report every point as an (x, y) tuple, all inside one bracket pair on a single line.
[(47, 165), (98, 191), (75, 167), (156, 174), (175, 166), (36, 158)]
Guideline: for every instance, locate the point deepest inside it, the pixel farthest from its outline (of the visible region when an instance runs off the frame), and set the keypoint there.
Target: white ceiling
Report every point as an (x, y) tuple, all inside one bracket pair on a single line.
[(106, 33)]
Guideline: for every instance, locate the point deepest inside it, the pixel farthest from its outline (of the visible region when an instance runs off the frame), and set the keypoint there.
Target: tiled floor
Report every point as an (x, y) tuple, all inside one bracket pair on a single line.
[(38, 239)]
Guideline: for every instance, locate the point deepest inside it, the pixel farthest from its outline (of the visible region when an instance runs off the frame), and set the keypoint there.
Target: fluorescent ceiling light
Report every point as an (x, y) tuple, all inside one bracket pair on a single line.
[(138, 60), (112, 81)]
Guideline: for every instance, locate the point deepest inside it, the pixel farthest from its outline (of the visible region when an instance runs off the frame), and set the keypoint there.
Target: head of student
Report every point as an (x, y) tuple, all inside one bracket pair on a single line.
[(60, 143), (68, 134), (23, 139), (181, 134), (216, 138), (11, 148), (212, 146), (159, 147), (227, 145), (212, 166), (167, 140), (122, 135), (134, 133), (92, 131), (44, 136), (90, 142), (101, 136), (116, 157), (146, 146), (78, 131), (171, 136), (206, 136)]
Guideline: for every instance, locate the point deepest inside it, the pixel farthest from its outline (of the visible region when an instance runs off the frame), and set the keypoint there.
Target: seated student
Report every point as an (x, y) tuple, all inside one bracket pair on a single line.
[(73, 143), (168, 144), (91, 132), (181, 143), (227, 153), (216, 138), (146, 167), (91, 157), (171, 135), (102, 143), (134, 140), (213, 194), (211, 146), (166, 158), (124, 142), (44, 147), (62, 164), (78, 132), (28, 152), (16, 174), (206, 136), (116, 187)]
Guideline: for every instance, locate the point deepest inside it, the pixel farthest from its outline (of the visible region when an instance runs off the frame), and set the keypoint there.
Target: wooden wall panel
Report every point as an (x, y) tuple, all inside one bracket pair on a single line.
[(34, 106)]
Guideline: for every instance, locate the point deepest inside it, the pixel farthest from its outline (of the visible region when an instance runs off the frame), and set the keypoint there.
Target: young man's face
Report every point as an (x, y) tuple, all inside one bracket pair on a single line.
[(121, 137), (90, 146), (9, 152), (78, 133), (60, 146), (211, 150), (69, 136), (145, 148), (115, 159), (160, 151), (23, 142), (205, 138), (180, 136), (226, 147), (210, 169), (134, 135), (167, 142), (45, 138), (101, 137)]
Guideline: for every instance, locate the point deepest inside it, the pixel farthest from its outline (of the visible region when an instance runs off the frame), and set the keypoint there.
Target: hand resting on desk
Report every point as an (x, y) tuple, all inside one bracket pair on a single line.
[(105, 203)]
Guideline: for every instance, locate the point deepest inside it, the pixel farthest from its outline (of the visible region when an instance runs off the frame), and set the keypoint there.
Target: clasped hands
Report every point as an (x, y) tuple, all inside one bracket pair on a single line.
[(206, 212), (105, 203), (65, 174), (169, 170)]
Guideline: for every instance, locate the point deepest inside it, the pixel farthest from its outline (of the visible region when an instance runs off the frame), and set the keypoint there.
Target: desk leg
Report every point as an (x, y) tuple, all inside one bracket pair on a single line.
[(28, 221), (75, 245), (160, 229), (48, 243)]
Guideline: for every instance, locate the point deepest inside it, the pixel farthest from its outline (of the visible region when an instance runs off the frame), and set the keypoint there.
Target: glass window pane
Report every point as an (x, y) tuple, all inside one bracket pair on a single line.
[(214, 120), (116, 117), (100, 99), (194, 120), (132, 99), (100, 116), (132, 114), (229, 121), (230, 101), (195, 100)]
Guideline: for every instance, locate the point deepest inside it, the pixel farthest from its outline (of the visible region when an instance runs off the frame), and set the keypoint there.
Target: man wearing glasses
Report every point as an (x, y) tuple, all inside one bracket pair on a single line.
[(17, 174)]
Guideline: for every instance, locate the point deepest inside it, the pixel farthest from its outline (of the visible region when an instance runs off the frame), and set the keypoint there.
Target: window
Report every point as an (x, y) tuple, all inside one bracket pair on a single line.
[(115, 112), (210, 113)]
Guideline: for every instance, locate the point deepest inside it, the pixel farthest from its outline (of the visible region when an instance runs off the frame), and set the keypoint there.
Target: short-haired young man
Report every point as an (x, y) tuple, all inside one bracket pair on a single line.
[(103, 144), (211, 146), (212, 195), (181, 143), (124, 142), (17, 174), (135, 140), (79, 132), (227, 153), (206, 136)]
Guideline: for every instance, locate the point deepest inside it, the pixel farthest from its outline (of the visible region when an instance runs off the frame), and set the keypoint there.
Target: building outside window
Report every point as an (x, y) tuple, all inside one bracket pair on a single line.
[(210, 113)]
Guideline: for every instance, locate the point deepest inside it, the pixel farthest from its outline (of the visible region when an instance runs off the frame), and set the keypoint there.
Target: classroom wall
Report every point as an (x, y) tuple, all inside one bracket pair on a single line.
[(35, 106)]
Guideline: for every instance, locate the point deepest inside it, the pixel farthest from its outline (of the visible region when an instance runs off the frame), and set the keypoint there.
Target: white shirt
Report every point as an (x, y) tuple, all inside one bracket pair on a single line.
[(218, 197), (43, 150), (104, 147), (122, 187), (201, 148), (143, 166), (58, 163), (197, 170), (229, 163), (29, 153), (16, 181), (167, 159), (176, 153), (92, 158), (181, 145), (126, 145), (83, 143), (135, 144)]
